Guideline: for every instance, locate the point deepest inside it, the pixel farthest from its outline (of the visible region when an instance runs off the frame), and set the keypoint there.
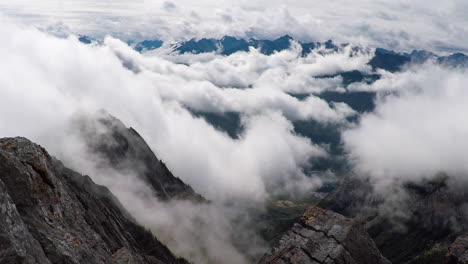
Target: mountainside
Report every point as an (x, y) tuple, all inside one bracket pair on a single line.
[(122, 148), (433, 216), (51, 214)]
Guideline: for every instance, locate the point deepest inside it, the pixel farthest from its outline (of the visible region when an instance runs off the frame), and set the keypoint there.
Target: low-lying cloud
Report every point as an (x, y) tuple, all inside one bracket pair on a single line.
[(418, 128), (45, 82), (42, 90)]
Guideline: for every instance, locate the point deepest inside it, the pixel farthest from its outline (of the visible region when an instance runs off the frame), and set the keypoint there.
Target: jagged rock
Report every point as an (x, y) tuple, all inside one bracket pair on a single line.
[(325, 237), (458, 251), (122, 148), (51, 214)]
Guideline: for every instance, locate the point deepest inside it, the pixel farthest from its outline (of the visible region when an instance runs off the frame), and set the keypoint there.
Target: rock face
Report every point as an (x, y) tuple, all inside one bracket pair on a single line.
[(121, 148), (51, 214), (325, 237), (458, 251), (435, 217)]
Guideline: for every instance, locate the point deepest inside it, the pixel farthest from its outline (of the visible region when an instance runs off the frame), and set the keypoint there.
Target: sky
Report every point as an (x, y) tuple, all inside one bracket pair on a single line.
[(401, 25)]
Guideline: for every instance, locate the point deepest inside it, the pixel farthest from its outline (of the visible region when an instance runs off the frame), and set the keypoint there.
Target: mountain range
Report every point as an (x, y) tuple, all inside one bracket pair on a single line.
[(383, 59)]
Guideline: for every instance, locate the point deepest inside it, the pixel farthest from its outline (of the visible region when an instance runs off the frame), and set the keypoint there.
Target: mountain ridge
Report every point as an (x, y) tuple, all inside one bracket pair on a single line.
[(51, 214)]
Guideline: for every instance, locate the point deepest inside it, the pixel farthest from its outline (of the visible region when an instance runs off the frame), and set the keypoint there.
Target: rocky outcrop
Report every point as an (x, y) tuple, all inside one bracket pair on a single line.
[(458, 251), (433, 216), (123, 149), (325, 237), (51, 214)]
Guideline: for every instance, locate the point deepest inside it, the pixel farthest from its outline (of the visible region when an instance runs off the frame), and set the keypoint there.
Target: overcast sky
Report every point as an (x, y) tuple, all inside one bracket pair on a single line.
[(397, 24)]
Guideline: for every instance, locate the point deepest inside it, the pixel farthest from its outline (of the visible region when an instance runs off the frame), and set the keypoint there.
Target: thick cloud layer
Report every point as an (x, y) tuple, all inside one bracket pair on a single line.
[(418, 129), (401, 25), (45, 82)]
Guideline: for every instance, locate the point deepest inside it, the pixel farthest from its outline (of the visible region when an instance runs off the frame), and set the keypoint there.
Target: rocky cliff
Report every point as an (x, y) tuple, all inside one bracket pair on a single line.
[(325, 237), (458, 251), (432, 213), (51, 214), (119, 147)]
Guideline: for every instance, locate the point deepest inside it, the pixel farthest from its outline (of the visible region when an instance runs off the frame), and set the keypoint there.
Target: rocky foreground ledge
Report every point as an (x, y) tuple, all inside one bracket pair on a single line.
[(458, 251), (51, 214), (323, 236)]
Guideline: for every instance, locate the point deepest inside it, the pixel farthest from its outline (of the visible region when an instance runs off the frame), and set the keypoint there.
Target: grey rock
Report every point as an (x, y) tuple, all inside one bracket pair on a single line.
[(123, 149), (458, 251), (325, 237), (434, 215), (51, 214)]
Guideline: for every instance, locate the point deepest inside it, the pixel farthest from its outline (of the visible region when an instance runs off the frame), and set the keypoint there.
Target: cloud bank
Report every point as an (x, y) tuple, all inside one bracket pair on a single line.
[(71, 77), (400, 25), (45, 85), (418, 128)]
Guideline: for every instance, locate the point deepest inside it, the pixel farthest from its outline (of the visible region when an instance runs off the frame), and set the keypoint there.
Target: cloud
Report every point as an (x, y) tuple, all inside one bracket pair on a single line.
[(400, 25), (417, 136), (250, 82), (201, 232), (418, 128), (45, 85), (65, 77)]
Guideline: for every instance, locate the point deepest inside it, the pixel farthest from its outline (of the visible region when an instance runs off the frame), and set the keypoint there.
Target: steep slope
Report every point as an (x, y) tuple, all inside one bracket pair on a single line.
[(458, 251), (325, 237), (120, 147), (434, 215), (51, 214)]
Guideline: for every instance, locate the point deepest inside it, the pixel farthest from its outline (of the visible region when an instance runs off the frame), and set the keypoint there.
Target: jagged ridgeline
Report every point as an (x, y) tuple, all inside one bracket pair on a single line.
[(383, 59), (121, 148), (51, 214)]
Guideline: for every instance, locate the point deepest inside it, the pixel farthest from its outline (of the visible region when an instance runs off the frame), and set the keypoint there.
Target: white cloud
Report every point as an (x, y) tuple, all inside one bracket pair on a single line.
[(418, 129), (264, 81), (46, 81), (398, 24)]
